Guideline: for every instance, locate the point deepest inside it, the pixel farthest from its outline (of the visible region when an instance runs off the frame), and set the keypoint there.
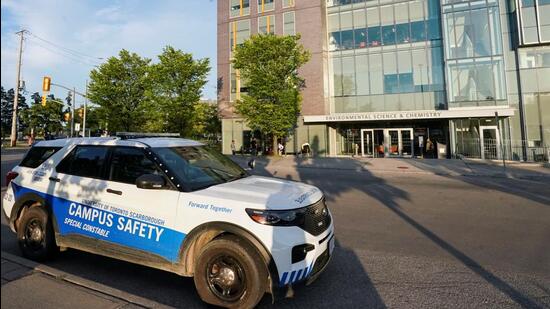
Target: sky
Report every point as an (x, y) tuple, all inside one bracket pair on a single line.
[(69, 37)]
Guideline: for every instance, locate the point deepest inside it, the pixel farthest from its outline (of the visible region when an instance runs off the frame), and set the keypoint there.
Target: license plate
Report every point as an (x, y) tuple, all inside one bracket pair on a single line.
[(331, 245)]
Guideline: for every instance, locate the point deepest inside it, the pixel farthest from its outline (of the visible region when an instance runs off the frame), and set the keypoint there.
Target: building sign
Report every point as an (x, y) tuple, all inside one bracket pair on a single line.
[(409, 115)]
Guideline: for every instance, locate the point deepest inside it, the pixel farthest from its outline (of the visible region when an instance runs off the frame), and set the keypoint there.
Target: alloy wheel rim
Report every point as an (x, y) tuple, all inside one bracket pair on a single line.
[(34, 234), (226, 278)]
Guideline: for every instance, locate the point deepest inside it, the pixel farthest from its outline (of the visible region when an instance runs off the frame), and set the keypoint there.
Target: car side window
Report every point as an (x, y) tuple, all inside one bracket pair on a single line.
[(37, 155), (128, 163), (85, 161)]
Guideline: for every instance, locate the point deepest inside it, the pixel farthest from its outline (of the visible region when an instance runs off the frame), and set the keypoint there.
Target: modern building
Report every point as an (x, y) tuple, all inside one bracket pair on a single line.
[(404, 78)]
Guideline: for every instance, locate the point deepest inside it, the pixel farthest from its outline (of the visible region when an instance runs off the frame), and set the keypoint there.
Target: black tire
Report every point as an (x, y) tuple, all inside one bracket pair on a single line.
[(35, 235), (244, 263)]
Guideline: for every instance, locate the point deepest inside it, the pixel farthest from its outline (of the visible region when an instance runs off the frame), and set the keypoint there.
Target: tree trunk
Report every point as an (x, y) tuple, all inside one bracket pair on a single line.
[(275, 148)]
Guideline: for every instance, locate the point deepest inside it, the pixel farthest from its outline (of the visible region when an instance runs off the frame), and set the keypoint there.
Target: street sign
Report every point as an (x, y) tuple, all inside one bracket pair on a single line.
[(77, 126)]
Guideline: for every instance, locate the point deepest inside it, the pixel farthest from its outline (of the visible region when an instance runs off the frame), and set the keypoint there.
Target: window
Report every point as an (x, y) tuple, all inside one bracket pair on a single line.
[(360, 38), (199, 167), (288, 21), (418, 31), (85, 161), (374, 36), (235, 8), (347, 39), (288, 3), (239, 32), (37, 155), (265, 5), (388, 35), (266, 24), (127, 164), (402, 33)]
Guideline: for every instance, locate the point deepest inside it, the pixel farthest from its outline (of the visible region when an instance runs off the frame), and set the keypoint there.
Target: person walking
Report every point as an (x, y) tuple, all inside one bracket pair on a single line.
[(280, 148), (233, 147), (253, 146)]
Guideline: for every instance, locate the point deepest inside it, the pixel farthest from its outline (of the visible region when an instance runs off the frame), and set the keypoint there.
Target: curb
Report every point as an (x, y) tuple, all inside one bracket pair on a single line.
[(84, 283)]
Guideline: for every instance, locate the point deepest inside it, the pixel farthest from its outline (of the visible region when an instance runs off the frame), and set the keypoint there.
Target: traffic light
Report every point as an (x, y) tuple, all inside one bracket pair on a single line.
[(81, 112), (46, 83), (43, 100), (67, 117)]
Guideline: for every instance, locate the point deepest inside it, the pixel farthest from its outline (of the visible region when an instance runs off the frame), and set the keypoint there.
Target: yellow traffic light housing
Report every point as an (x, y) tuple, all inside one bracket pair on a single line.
[(81, 112), (43, 100), (46, 83), (67, 117)]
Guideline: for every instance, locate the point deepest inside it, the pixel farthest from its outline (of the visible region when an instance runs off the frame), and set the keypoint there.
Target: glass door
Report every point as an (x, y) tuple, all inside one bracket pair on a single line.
[(406, 137), (393, 142), (490, 142), (367, 143)]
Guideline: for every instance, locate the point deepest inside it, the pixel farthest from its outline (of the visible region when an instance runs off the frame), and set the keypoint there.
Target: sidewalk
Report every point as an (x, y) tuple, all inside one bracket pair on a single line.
[(446, 167), (26, 284)]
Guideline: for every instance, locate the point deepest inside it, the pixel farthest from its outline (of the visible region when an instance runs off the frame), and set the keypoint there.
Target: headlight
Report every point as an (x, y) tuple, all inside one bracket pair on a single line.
[(293, 217)]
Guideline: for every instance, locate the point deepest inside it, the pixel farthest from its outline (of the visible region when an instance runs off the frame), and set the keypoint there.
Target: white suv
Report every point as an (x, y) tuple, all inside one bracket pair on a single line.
[(172, 204)]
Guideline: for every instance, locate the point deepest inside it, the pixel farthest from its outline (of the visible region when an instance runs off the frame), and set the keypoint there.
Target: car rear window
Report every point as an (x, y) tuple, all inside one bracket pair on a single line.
[(37, 156)]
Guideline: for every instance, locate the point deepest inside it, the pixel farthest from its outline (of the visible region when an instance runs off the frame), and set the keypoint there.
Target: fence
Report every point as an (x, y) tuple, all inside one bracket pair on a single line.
[(493, 149)]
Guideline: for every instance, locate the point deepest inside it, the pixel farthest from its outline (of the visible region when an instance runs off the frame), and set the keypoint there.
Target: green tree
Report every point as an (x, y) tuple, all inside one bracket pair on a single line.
[(44, 119), (176, 86), (118, 86), (206, 122), (269, 64), (7, 110)]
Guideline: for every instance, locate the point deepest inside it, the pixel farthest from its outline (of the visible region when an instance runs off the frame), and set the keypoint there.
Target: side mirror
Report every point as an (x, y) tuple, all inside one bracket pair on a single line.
[(150, 181), (252, 163)]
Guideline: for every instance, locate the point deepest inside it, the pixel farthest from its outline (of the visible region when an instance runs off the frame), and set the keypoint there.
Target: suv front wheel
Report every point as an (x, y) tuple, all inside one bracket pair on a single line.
[(35, 234), (230, 273)]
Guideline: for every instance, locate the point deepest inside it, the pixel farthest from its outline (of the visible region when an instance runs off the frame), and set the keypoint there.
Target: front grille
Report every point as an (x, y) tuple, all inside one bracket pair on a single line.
[(316, 219), (322, 260)]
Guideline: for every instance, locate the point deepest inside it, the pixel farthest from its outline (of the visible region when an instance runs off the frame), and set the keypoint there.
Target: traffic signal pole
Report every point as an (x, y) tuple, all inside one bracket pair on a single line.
[(13, 137), (72, 112)]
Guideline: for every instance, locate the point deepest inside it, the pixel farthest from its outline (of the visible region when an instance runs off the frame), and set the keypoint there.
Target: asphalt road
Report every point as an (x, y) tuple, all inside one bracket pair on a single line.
[(405, 241)]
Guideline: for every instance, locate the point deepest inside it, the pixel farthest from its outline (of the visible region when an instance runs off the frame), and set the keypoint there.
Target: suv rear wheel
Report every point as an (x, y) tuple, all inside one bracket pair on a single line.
[(35, 234), (230, 273)]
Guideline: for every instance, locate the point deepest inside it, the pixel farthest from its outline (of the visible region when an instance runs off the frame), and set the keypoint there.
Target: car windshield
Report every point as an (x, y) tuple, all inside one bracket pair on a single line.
[(199, 167)]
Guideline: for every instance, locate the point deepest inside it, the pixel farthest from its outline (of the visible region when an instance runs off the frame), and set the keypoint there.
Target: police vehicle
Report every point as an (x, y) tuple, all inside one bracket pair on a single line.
[(172, 204)]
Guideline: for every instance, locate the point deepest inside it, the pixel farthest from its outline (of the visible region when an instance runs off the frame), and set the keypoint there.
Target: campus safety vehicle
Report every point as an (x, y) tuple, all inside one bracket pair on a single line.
[(172, 204)]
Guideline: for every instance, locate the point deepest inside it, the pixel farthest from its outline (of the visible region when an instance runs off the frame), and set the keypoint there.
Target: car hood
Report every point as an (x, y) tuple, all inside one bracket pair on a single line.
[(266, 193)]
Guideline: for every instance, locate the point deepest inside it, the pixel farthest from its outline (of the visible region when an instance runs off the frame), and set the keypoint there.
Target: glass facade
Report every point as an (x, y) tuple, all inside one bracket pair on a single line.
[(386, 57), (473, 52), (534, 64), (534, 21)]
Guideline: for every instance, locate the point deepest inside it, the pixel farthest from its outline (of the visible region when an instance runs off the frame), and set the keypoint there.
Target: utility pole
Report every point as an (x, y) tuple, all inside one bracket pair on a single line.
[(13, 137), (72, 112), (85, 108)]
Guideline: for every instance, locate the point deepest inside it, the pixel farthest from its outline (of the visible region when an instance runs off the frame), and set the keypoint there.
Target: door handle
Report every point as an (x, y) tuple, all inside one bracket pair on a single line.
[(54, 179), (114, 191)]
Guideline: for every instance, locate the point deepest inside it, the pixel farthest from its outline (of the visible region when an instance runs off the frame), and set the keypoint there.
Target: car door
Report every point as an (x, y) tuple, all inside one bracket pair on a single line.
[(79, 181), (142, 219)]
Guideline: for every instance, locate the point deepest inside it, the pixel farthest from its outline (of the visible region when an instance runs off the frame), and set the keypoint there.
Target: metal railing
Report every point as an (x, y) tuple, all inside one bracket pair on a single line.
[(493, 149)]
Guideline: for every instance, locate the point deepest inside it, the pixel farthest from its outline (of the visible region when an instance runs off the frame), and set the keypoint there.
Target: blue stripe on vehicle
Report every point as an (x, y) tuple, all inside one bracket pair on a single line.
[(292, 276), (298, 275), (283, 278), (105, 225)]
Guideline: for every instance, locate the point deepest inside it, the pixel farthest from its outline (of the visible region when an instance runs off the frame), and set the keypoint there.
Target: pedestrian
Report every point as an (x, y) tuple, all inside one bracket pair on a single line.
[(253, 146), (355, 149), (280, 148), (233, 147), (429, 147), (306, 149)]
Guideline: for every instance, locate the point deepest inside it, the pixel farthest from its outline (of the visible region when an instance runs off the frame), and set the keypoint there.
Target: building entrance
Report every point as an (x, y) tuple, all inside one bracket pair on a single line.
[(394, 142)]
